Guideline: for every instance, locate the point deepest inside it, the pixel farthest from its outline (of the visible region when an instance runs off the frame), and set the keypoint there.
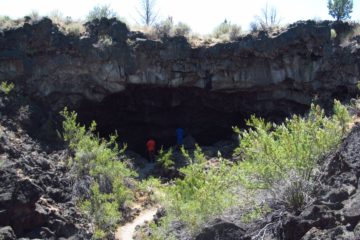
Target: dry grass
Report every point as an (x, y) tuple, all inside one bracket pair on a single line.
[(65, 25), (164, 28), (72, 28), (355, 31), (8, 23), (147, 30), (346, 38)]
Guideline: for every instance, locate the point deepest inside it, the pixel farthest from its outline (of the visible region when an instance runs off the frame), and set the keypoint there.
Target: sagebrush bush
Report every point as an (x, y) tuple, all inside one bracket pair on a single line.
[(166, 28), (227, 31), (272, 153), (280, 158), (103, 209), (99, 158), (6, 22), (101, 11), (254, 27), (203, 193), (164, 158), (181, 29), (294, 192), (66, 24), (163, 28)]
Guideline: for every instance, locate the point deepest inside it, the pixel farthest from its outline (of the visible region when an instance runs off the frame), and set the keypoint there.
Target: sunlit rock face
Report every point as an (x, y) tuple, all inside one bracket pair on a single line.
[(157, 85)]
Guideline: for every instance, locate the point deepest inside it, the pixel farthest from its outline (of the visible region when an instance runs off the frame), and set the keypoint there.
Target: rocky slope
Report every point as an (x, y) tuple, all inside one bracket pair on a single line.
[(142, 87), (145, 87), (37, 199), (335, 213)]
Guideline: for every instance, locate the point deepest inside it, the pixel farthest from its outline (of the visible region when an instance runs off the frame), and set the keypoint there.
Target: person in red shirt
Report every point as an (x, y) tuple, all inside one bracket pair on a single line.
[(150, 146)]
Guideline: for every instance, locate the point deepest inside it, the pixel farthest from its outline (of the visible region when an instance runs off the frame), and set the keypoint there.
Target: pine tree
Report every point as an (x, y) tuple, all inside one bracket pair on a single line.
[(340, 9)]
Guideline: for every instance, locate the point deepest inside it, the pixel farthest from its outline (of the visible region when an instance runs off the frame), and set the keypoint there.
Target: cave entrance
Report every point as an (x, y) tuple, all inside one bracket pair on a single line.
[(140, 112)]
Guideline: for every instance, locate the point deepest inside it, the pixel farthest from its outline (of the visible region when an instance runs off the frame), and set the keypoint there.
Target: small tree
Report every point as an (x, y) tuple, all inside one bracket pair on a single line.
[(268, 18), (340, 9), (101, 11), (147, 13)]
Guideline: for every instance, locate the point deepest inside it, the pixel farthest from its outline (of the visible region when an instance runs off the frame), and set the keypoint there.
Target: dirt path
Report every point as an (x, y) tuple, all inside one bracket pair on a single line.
[(127, 231)]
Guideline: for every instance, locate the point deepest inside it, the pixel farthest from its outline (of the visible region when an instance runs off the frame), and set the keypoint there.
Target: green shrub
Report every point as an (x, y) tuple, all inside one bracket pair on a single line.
[(203, 193), (6, 87), (164, 158), (272, 153), (102, 208), (6, 22), (341, 115), (99, 158), (101, 11), (235, 32), (164, 28), (282, 158), (227, 31), (254, 26), (181, 29), (199, 156)]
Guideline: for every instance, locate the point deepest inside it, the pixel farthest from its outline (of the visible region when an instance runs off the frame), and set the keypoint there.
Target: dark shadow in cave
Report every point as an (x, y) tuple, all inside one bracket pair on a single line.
[(141, 112)]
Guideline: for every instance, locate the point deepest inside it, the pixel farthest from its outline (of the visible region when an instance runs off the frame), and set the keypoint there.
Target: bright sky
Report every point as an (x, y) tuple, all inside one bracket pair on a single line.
[(201, 15)]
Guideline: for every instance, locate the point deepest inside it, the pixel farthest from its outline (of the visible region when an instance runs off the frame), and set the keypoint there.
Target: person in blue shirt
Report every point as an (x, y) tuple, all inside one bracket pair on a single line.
[(179, 136)]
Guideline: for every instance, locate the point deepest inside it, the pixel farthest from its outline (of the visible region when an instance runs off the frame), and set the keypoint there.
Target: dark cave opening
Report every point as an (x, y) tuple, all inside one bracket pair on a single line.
[(141, 112)]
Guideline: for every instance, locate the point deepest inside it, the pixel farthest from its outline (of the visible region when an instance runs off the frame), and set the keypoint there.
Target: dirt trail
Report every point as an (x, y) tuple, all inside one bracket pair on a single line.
[(127, 231)]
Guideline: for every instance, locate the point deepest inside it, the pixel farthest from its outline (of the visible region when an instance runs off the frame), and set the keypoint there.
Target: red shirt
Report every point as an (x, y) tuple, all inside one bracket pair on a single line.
[(151, 145)]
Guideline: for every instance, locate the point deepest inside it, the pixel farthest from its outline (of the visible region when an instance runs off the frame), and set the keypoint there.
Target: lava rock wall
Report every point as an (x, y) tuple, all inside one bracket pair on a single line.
[(132, 84)]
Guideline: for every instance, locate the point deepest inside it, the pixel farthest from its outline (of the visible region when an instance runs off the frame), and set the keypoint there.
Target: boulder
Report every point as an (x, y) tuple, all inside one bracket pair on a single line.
[(351, 210), (295, 227), (339, 233), (7, 233), (113, 28), (221, 230)]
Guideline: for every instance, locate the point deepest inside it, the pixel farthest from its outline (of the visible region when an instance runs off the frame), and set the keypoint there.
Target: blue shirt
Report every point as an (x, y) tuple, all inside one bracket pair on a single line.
[(179, 135)]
